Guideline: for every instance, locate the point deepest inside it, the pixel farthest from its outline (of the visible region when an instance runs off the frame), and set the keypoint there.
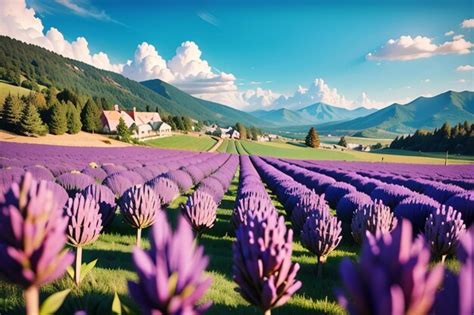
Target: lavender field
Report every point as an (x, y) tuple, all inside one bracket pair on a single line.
[(141, 230)]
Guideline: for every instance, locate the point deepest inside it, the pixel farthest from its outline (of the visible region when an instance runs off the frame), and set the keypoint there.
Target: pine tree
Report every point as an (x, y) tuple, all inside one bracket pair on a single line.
[(31, 123), (58, 120), (312, 139), (122, 131), (90, 117), (12, 112), (342, 142), (73, 117)]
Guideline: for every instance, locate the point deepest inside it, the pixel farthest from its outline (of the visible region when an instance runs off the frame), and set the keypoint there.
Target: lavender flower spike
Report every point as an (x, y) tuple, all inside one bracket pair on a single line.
[(262, 264), (32, 238), (321, 234), (84, 226), (201, 211), (374, 218), (171, 274), (456, 296), (139, 206), (443, 229), (392, 277)]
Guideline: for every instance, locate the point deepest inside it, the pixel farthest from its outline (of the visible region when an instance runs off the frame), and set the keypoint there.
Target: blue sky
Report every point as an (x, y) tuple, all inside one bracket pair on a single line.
[(277, 46)]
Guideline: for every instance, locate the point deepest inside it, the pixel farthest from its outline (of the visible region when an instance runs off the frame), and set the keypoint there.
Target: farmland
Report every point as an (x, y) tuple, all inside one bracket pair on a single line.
[(232, 185), (184, 142)]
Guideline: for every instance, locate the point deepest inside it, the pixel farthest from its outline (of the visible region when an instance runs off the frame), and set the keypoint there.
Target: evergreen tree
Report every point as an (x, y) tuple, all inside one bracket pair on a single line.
[(342, 142), (12, 112), (312, 139), (31, 123), (90, 117), (73, 117), (242, 130), (122, 131), (58, 120), (178, 122), (254, 133), (187, 123), (147, 108), (67, 95)]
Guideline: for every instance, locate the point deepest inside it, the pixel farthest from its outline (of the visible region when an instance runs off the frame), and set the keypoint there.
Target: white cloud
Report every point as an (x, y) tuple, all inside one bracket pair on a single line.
[(465, 68), (19, 21), (208, 18), (259, 98), (410, 48), (450, 33), (467, 23), (318, 91), (85, 10), (457, 37), (462, 81), (365, 101)]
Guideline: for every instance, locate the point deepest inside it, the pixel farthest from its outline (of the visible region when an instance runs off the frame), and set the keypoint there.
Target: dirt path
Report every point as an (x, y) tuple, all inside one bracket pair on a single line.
[(82, 139), (216, 146)]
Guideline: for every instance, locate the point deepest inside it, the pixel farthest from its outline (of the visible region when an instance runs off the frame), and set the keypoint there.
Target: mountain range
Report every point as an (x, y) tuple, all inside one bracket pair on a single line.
[(47, 68), (317, 113)]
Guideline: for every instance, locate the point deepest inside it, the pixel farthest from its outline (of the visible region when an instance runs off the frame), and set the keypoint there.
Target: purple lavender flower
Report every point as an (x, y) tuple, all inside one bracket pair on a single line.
[(392, 277), (181, 178), (321, 234), (74, 182), (59, 194), (375, 218), (456, 296), (139, 206), (165, 189), (251, 204), (171, 274), (96, 172), (40, 173), (105, 198), (201, 211), (262, 264), (348, 204), (390, 194), (463, 203), (84, 226), (443, 229), (416, 209), (336, 191), (308, 204), (32, 238), (117, 183)]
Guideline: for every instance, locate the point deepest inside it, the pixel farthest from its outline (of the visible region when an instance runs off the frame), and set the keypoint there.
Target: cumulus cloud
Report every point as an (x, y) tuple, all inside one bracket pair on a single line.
[(467, 23), (465, 68), (410, 48), (259, 98), (20, 22), (366, 102), (450, 33), (318, 91)]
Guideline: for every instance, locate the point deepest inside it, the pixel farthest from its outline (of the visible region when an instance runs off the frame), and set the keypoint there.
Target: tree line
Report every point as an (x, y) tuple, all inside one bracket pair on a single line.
[(457, 139), (51, 111), (250, 133)]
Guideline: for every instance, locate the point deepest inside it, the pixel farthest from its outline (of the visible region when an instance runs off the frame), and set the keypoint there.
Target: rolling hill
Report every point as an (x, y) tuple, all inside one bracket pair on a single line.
[(317, 113), (48, 68)]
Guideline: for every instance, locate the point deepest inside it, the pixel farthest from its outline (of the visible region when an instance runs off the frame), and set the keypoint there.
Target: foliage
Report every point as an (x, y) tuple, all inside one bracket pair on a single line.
[(73, 117), (342, 142), (456, 139), (123, 132), (312, 139), (90, 117), (58, 120), (30, 123), (11, 113)]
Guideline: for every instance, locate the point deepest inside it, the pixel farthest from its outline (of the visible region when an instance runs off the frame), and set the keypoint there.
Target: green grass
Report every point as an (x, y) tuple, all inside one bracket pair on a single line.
[(240, 149), (223, 147), (231, 147), (357, 140), (6, 89), (184, 142)]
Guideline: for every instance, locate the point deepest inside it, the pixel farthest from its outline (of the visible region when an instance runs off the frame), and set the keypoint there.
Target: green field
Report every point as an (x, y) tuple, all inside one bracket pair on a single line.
[(357, 140), (6, 89), (184, 142)]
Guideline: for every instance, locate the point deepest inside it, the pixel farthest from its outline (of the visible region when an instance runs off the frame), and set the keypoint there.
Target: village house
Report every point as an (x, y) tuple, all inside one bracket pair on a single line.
[(145, 124)]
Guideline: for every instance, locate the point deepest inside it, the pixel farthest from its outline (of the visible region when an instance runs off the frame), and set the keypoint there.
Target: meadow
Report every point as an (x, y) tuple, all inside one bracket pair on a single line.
[(186, 142)]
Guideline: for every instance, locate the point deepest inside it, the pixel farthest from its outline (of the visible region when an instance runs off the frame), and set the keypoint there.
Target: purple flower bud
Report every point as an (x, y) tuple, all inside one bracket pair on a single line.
[(392, 277), (165, 189), (139, 206), (33, 235), (74, 182), (321, 234), (105, 198), (463, 203), (84, 220), (262, 264), (201, 211), (307, 204), (375, 219), (260, 205), (171, 274), (443, 229)]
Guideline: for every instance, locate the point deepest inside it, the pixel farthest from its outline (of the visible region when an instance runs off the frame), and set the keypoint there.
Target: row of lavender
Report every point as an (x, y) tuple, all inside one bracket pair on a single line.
[(404, 282), (77, 208), (411, 198)]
